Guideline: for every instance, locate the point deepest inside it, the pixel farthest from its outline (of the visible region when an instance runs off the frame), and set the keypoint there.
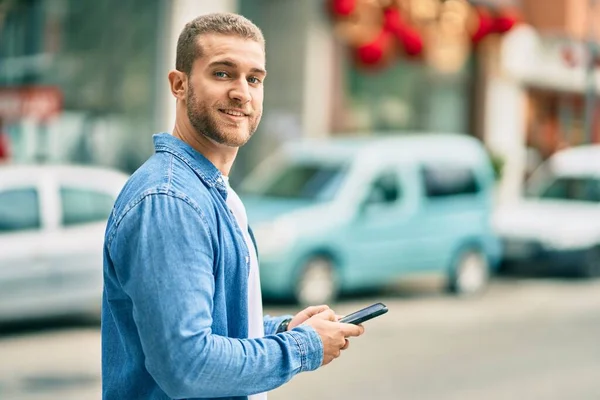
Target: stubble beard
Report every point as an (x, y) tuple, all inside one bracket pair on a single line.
[(205, 122)]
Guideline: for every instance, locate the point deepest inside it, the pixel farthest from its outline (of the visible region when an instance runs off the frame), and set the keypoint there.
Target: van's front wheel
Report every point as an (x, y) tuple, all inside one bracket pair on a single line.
[(317, 282), (470, 273)]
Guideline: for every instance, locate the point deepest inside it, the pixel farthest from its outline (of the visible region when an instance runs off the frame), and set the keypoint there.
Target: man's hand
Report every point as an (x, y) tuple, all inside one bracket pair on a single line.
[(333, 334), (305, 315)]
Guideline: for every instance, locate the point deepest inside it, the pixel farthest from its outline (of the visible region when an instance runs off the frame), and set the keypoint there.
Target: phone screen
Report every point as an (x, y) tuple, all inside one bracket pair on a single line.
[(365, 314)]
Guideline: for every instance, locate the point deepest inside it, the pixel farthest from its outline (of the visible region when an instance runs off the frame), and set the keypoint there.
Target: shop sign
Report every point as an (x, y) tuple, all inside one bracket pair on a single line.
[(36, 102)]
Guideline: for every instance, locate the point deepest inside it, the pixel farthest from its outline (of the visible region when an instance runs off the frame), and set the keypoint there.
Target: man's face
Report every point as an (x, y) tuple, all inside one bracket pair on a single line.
[(225, 89)]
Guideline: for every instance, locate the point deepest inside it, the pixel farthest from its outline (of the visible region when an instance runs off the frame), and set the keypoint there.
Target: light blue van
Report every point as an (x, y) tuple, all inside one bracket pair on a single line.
[(352, 213)]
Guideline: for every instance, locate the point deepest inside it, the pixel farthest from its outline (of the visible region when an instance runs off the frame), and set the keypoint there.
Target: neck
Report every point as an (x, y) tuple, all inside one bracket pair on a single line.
[(220, 155)]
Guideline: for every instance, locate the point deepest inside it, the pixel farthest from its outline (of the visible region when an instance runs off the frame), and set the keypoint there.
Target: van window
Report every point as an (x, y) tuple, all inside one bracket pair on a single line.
[(571, 188), (80, 206), (385, 189), (19, 210), (445, 181), (304, 181)]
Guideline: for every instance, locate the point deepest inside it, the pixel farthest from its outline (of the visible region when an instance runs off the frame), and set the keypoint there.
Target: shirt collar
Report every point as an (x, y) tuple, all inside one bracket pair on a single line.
[(208, 173)]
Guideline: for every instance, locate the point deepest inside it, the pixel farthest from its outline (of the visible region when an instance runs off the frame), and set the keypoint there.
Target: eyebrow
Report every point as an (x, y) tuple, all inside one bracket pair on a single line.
[(231, 64)]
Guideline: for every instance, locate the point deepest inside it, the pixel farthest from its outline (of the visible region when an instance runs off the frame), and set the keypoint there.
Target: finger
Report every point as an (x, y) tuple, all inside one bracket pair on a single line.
[(313, 310), (305, 314), (339, 317), (327, 315), (346, 345), (352, 330)]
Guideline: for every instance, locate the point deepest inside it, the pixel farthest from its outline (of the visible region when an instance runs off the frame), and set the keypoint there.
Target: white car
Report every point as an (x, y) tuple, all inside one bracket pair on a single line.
[(557, 224), (52, 222)]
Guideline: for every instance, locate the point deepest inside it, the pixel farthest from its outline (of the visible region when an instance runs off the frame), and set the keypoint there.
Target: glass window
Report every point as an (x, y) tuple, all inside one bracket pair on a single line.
[(64, 45), (304, 181), (393, 99), (572, 188), (19, 210), (385, 189), (449, 181), (81, 206)]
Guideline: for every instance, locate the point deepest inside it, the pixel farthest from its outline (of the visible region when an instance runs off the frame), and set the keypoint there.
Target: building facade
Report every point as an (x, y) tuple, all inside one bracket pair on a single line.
[(316, 89), (85, 81), (542, 88)]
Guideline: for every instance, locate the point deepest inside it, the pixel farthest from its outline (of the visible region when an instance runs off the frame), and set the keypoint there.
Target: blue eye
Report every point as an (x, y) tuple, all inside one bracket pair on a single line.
[(254, 80), (221, 74)]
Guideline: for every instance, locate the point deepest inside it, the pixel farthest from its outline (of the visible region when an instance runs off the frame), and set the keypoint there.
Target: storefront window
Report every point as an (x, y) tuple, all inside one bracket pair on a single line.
[(408, 96), (556, 120), (98, 59)]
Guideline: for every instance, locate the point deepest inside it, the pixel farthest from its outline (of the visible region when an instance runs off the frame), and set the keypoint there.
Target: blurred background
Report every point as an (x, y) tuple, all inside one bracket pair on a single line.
[(439, 156)]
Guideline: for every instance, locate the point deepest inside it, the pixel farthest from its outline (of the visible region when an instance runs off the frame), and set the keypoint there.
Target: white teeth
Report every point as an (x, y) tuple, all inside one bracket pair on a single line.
[(234, 113)]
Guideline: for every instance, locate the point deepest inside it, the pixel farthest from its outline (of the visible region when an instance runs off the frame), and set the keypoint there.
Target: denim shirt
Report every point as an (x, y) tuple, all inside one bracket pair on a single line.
[(175, 301)]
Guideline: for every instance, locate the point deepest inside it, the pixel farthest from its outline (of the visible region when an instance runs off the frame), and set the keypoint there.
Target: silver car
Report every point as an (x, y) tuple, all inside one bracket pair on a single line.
[(52, 221)]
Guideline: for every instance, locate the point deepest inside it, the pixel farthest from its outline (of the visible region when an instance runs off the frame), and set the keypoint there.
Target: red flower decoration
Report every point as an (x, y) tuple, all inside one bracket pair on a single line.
[(412, 41), (505, 21), (409, 38), (373, 53), (392, 20), (486, 24), (342, 8)]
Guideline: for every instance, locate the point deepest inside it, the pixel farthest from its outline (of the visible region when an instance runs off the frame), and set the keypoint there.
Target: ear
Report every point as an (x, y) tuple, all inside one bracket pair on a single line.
[(178, 84)]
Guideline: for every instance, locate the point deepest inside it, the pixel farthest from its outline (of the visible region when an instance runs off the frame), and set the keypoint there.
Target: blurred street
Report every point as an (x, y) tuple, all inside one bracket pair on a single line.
[(390, 139), (526, 338)]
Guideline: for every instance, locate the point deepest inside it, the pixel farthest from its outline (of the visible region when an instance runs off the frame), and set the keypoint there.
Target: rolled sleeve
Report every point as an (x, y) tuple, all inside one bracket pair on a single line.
[(309, 345)]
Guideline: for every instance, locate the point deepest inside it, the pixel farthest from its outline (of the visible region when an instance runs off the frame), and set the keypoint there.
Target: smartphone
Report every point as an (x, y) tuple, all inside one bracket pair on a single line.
[(365, 314)]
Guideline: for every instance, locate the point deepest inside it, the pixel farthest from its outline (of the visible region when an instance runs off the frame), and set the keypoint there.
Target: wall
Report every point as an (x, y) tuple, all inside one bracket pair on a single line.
[(563, 17)]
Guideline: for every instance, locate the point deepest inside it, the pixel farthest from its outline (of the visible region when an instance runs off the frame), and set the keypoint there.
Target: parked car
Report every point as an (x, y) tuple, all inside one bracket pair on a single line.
[(351, 213), (52, 221), (556, 226)]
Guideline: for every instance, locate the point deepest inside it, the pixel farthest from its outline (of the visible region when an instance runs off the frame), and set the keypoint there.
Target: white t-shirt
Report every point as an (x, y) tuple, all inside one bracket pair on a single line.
[(256, 328)]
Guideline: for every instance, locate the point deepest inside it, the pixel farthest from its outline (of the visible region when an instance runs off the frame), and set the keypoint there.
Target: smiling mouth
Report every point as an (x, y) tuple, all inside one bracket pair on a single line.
[(233, 113)]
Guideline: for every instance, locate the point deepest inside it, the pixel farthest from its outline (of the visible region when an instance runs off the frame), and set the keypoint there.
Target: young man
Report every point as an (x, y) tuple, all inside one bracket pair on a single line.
[(182, 312)]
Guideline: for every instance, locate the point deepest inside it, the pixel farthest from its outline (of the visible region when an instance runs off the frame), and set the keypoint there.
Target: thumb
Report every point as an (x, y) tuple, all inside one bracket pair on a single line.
[(352, 330)]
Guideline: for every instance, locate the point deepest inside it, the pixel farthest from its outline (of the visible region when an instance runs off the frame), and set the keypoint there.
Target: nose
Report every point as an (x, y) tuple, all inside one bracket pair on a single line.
[(240, 92)]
